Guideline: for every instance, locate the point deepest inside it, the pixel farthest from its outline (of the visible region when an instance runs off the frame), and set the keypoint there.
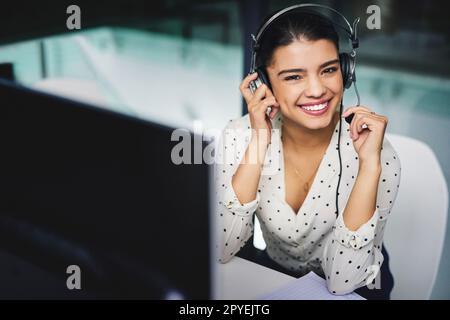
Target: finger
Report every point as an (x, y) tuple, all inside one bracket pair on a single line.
[(244, 87), (354, 124), (355, 108), (368, 122), (363, 111), (351, 110), (265, 103), (259, 94), (246, 81), (355, 111), (275, 105), (274, 111), (358, 126), (357, 121)]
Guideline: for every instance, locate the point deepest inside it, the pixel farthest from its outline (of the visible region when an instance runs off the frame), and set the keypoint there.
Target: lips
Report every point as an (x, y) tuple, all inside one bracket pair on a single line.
[(315, 102), (315, 108)]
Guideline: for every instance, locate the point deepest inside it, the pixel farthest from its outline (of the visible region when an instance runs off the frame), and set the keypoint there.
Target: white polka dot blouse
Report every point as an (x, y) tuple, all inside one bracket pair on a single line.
[(312, 239)]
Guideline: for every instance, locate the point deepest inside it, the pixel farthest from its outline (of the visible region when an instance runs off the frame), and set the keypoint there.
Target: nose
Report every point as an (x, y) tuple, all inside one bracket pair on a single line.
[(315, 87)]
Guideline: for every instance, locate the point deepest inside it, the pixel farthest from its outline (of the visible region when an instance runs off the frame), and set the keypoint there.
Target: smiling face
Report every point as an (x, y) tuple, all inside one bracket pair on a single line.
[(307, 82)]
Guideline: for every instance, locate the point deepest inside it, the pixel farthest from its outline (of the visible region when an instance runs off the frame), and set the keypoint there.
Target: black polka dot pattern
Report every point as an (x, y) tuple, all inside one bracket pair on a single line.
[(296, 239)]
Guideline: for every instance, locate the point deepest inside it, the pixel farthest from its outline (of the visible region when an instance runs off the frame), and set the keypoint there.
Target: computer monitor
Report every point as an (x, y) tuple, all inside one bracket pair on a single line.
[(84, 186)]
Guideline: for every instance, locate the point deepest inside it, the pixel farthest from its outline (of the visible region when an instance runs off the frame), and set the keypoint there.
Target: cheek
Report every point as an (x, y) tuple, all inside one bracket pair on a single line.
[(291, 94), (285, 93), (338, 81), (335, 84)]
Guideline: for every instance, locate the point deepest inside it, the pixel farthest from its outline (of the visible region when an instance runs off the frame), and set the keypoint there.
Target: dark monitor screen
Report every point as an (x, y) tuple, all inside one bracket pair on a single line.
[(84, 186)]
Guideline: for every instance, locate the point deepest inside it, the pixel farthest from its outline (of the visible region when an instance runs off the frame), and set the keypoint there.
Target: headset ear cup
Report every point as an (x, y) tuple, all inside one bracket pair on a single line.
[(263, 77), (344, 58), (347, 69)]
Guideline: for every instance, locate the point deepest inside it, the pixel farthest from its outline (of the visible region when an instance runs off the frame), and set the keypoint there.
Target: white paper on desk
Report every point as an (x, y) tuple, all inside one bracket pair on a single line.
[(308, 287)]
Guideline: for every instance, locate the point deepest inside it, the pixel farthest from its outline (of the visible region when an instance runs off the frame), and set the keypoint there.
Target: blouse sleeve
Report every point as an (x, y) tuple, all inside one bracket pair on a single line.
[(353, 259), (234, 221)]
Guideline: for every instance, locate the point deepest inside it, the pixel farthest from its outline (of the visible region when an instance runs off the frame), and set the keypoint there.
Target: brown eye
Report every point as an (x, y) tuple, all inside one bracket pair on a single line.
[(294, 77), (330, 70)]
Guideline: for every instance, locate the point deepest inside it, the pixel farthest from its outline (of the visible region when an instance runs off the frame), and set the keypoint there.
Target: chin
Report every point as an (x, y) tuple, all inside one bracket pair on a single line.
[(317, 124)]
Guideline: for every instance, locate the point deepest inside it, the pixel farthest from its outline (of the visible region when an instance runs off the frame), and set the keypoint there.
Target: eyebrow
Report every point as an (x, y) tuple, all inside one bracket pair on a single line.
[(303, 70)]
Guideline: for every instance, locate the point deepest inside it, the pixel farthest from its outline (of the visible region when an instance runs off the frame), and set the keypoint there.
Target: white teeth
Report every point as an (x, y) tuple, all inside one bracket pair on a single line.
[(316, 107)]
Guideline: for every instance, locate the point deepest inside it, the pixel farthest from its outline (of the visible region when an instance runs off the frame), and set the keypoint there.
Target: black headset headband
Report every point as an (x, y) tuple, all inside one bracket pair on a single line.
[(351, 31)]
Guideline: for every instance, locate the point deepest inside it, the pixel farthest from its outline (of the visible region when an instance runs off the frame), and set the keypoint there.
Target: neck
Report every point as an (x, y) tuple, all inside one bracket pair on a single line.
[(304, 140)]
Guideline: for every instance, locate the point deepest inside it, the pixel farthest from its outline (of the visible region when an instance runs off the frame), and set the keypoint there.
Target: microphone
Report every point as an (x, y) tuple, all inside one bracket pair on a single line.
[(349, 118)]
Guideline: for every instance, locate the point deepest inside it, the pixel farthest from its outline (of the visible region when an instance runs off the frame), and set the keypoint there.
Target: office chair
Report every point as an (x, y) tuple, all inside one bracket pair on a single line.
[(415, 231)]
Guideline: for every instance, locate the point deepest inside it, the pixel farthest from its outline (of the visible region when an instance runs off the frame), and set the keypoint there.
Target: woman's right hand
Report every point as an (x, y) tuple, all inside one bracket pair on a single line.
[(257, 105)]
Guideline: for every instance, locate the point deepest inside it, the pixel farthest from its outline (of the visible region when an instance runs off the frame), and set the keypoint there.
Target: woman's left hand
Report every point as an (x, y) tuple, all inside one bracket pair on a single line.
[(368, 140)]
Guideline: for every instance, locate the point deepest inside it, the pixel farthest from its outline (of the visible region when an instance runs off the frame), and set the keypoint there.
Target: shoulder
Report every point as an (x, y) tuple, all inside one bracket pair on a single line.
[(236, 129), (389, 182), (235, 134), (390, 161), (239, 123)]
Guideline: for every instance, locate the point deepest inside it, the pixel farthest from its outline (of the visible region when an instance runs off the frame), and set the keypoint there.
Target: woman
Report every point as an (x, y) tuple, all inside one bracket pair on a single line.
[(284, 167)]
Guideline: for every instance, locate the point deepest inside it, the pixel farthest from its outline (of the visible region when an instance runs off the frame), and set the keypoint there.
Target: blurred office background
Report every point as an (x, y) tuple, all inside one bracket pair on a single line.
[(180, 63)]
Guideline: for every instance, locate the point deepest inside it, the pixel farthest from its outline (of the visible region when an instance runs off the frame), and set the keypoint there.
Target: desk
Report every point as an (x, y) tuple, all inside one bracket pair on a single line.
[(241, 279)]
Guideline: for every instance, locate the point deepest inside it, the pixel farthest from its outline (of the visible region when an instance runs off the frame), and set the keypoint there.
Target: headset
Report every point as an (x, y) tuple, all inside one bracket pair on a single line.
[(347, 60)]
